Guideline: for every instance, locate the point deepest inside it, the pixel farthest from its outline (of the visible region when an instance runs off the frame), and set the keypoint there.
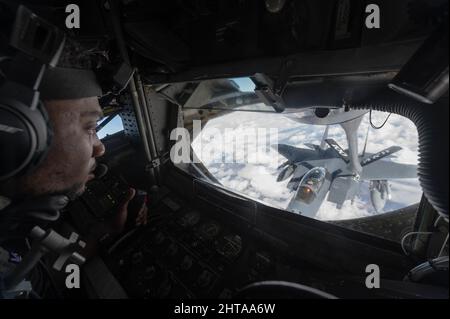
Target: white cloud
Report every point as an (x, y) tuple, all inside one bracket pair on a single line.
[(259, 180), (349, 210)]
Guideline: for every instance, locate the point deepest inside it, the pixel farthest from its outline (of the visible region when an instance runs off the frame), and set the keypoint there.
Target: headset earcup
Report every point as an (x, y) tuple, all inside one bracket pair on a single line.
[(45, 135), (25, 136)]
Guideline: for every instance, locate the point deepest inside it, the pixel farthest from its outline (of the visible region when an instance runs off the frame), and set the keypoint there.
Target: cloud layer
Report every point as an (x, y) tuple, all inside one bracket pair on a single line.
[(258, 179)]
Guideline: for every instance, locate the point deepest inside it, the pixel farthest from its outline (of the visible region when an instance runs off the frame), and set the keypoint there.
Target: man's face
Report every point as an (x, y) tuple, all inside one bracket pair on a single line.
[(70, 161)]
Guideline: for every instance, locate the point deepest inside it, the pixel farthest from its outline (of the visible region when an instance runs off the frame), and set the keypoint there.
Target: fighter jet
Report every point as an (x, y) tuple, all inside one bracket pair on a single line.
[(328, 172)]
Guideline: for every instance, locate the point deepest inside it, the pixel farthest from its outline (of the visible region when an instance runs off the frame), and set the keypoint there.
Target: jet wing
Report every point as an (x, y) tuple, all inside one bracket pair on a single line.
[(313, 147), (294, 154), (381, 169)]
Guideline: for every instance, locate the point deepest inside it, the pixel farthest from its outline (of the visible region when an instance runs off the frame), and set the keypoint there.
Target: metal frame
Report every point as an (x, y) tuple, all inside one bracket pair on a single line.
[(365, 60)]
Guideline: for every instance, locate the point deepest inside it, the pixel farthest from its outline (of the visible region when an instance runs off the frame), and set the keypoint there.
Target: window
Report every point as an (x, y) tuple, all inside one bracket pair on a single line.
[(285, 161), (113, 126)]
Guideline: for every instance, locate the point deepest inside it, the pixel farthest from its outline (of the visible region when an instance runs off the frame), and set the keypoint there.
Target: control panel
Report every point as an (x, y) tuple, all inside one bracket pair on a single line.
[(188, 254)]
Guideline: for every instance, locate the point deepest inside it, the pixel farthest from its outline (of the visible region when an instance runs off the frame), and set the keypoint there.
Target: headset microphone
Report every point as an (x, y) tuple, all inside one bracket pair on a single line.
[(100, 171)]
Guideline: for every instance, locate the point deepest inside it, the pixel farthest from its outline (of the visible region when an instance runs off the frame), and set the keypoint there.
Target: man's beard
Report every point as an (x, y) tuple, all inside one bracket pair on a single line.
[(74, 191), (19, 190)]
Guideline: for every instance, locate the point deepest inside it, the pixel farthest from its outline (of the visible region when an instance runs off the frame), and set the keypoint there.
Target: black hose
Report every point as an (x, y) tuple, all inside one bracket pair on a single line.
[(432, 127)]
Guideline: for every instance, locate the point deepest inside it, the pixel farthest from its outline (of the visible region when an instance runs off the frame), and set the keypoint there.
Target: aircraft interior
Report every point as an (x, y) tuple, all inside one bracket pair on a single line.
[(204, 240)]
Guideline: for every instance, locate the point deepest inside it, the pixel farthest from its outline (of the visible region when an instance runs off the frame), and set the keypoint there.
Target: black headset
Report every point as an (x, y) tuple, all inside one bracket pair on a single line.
[(25, 132), (25, 136)]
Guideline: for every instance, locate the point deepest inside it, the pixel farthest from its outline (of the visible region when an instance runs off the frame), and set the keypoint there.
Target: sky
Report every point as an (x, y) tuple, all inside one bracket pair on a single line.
[(258, 179), (112, 127)]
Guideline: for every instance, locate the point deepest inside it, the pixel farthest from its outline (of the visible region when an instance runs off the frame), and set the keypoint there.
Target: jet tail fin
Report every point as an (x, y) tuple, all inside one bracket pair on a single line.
[(338, 149), (381, 154)]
